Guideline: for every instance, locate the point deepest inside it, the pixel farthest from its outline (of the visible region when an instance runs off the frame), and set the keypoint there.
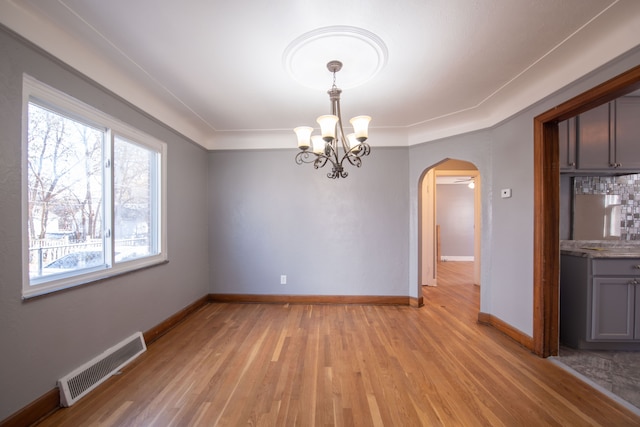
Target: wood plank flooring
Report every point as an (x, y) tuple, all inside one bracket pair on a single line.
[(343, 365)]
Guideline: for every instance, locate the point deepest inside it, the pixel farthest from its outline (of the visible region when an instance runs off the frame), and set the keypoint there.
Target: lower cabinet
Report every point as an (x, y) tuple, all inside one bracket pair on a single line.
[(600, 303), (614, 303)]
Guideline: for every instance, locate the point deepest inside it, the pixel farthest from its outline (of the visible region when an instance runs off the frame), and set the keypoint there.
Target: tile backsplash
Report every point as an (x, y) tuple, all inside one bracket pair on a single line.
[(627, 187)]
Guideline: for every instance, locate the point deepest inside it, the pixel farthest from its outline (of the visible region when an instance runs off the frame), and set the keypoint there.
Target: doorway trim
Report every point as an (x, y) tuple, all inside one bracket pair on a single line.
[(546, 230), (426, 221)]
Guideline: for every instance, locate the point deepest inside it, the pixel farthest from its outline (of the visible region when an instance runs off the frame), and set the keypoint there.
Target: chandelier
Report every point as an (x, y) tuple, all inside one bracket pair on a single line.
[(332, 146)]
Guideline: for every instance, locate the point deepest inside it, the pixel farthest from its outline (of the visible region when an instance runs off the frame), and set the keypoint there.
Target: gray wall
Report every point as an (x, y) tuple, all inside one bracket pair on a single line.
[(504, 157), (44, 338), (262, 216), (269, 216), (454, 215)]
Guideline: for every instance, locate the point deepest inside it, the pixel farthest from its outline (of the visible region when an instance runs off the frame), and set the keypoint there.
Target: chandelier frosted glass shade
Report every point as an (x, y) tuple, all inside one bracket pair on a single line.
[(304, 136), (361, 127), (331, 146), (328, 126)]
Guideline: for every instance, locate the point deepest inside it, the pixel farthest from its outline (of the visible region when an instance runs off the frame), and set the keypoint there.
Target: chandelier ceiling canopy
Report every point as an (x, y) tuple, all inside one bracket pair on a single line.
[(364, 51)]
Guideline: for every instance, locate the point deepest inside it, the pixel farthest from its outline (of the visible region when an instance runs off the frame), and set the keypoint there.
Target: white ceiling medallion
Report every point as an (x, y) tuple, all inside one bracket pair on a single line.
[(363, 53)]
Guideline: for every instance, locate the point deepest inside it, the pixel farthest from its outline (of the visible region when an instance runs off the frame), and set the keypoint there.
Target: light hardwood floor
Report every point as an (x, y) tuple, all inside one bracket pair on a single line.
[(325, 365)]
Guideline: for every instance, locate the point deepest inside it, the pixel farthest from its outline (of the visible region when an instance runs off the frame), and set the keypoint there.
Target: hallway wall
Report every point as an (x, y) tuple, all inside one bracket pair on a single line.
[(454, 216)]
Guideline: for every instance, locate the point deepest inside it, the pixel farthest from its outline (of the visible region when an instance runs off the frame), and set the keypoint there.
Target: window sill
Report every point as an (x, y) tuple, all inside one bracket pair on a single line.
[(87, 279)]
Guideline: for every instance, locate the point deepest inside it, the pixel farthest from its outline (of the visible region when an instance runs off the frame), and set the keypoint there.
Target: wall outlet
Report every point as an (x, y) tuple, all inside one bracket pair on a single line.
[(505, 193), (283, 279)]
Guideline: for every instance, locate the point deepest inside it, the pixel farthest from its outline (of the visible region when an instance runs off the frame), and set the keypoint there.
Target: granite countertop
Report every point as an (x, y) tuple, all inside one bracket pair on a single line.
[(601, 248)]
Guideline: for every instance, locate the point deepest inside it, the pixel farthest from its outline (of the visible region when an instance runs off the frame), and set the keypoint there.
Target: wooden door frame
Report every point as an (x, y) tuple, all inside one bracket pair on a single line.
[(477, 216), (546, 230)]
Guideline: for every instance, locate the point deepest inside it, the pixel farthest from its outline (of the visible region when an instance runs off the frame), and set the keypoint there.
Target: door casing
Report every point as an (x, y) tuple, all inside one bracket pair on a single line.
[(546, 229)]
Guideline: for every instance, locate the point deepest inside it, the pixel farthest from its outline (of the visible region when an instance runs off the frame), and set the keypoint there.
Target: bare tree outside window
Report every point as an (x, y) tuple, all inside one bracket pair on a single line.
[(134, 204), (95, 196), (65, 189)]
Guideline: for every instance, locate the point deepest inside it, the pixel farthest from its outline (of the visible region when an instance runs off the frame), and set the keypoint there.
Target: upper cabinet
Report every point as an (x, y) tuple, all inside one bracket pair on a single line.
[(627, 133), (607, 138), (567, 141), (594, 133)]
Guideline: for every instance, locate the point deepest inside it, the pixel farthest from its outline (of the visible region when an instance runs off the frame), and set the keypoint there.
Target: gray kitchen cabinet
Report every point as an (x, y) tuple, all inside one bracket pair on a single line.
[(600, 303), (613, 311), (608, 135), (636, 335), (595, 138), (567, 142), (627, 132), (574, 300)]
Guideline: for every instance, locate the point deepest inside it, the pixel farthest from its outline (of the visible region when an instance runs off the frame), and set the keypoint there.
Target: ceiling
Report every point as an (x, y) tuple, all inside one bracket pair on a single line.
[(240, 74)]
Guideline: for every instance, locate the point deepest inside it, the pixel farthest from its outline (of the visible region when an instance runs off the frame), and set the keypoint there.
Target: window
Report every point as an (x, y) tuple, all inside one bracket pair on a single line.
[(94, 194)]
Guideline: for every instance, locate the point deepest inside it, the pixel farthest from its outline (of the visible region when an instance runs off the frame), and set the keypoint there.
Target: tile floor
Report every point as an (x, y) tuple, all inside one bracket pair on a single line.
[(615, 371)]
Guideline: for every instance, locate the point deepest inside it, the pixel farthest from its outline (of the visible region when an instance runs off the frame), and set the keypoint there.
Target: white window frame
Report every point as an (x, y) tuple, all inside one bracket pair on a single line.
[(59, 101)]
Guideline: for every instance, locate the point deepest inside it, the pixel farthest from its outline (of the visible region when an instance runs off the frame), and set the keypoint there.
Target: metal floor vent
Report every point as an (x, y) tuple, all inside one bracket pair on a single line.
[(82, 380)]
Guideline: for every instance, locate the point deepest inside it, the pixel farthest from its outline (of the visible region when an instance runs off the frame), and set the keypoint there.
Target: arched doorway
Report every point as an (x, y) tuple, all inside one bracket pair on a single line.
[(429, 234)]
